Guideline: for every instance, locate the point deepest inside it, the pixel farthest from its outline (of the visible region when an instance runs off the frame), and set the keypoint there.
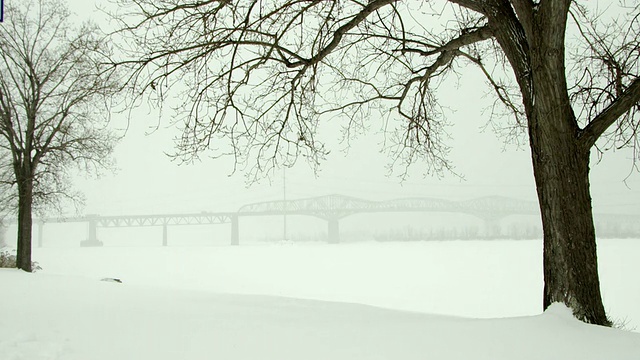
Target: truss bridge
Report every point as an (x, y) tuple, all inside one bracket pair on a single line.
[(339, 206), (330, 208)]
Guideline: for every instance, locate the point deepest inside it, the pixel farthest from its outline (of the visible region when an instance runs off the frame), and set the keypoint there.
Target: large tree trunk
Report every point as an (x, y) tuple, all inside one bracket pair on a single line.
[(570, 257), (25, 221), (561, 169), (534, 45)]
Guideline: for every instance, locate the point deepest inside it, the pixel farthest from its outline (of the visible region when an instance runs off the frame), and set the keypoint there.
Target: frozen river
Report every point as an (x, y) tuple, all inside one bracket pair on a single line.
[(465, 278)]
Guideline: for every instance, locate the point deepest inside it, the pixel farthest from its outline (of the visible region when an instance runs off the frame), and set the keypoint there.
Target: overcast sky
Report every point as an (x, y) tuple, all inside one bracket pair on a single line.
[(148, 182)]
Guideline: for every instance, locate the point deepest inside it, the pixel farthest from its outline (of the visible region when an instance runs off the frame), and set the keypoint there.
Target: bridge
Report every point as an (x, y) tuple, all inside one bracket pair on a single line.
[(166, 220), (331, 208)]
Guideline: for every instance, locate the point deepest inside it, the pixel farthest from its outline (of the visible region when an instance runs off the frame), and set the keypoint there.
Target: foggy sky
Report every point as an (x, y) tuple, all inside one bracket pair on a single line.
[(149, 182)]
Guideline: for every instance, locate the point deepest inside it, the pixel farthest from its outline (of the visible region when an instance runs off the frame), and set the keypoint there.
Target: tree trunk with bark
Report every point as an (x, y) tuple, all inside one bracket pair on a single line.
[(561, 169), (25, 222)]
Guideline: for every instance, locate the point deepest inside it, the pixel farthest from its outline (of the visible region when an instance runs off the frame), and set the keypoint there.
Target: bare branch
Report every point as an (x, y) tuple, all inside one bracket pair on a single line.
[(624, 103), (605, 75)]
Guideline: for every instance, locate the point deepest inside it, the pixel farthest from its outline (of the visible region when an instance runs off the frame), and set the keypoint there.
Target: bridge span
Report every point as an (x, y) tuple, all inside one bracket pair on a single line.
[(331, 208), (164, 220)]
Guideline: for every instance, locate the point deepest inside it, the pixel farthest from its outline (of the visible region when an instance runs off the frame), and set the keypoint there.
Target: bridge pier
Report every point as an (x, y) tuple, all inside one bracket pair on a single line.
[(235, 231), (92, 239), (333, 231), (165, 237)]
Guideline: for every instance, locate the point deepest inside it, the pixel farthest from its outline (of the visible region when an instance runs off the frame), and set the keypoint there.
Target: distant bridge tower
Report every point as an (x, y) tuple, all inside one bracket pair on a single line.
[(333, 230), (92, 239)]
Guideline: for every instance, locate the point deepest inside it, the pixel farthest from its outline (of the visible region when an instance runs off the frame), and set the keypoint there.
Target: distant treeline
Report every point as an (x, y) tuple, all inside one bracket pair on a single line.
[(604, 230), (618, 230), (514, 231), (459, 233)]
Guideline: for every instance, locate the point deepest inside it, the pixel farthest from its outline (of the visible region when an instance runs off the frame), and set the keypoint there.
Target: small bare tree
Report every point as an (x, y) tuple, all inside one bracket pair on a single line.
[(53, 97), (263, 74)]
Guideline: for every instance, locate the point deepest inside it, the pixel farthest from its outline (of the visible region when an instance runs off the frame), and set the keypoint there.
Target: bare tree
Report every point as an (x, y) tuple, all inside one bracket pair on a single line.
[(262, 74), (52, 105)]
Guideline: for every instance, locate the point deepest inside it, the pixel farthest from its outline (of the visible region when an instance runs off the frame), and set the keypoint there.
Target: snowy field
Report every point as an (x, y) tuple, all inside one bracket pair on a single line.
[(364, 300)]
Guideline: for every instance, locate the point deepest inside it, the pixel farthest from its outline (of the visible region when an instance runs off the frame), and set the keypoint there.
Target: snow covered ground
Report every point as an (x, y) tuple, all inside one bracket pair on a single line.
[(309, 301)]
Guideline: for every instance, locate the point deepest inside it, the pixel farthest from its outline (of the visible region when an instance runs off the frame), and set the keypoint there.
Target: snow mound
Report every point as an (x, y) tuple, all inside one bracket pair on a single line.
[(560, 310), (62, 317)]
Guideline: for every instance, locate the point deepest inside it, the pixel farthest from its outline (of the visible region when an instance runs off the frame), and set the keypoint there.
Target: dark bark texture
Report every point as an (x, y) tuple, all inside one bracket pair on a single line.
[(25, 222), (561, 169), (533, 40)]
